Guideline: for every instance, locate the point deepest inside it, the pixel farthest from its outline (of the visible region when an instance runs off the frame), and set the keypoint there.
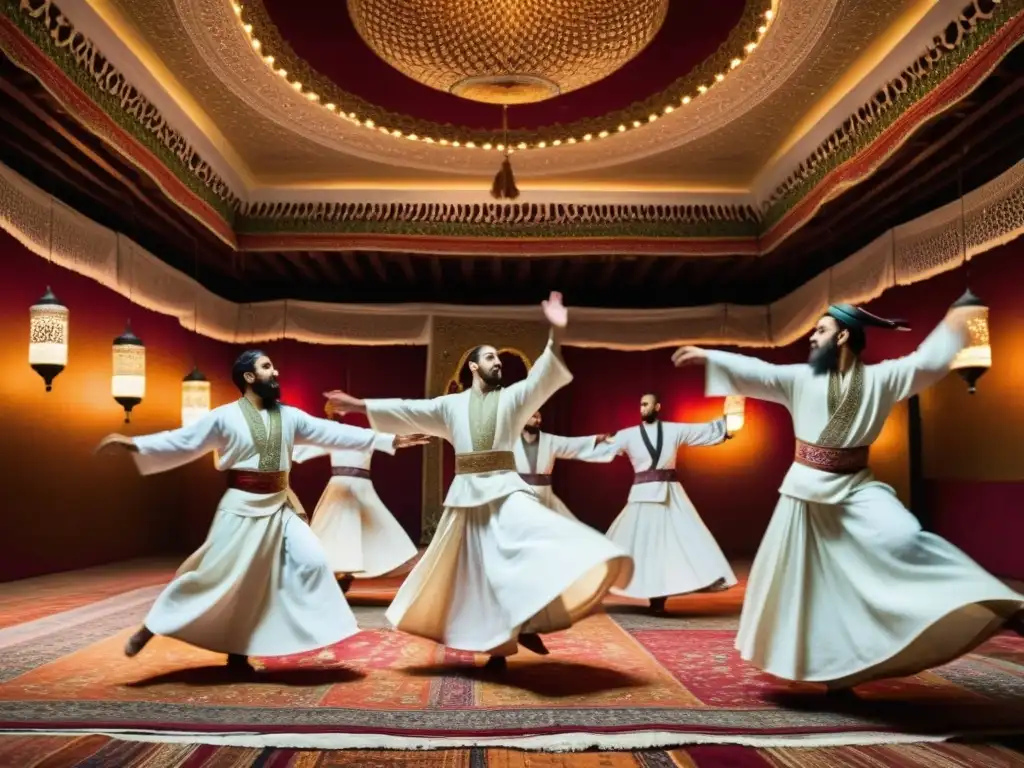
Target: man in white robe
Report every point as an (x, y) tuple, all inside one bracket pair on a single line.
[(502, 568), (537, 451), (846, 587), (360, 536), (260, 584), (673, 551)]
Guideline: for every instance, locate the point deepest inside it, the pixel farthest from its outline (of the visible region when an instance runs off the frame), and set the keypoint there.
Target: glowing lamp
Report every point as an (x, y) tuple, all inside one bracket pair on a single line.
[(974, 360), (195, 397), (48, 337), (128, 382), (734, 419)]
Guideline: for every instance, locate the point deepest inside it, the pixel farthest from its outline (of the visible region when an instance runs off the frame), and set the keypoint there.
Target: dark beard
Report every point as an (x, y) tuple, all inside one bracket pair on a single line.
[(650, 418), (492, 379), (269, 391), (531, 429), (825, 359)]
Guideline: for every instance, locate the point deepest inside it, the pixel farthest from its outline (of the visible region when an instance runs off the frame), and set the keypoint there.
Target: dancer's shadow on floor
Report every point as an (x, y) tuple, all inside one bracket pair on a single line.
[(926, 715), (552, 679), (215, 675)]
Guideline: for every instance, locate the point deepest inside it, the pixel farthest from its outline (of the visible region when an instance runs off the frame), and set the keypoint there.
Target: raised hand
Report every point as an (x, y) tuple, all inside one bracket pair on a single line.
[(555, 311), (408, 441), (688, 356), (110, 442)]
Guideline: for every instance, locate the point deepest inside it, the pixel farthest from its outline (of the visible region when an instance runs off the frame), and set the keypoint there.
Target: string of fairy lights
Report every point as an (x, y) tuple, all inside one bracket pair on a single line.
[(355, 118)]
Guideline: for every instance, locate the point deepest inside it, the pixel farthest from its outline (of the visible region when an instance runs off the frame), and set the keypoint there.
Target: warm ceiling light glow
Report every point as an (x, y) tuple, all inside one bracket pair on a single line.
[(487, 146), (237, 9), (587, 137), (719, 77), (769, 14), (269, 60), (749, 47), (637, 123), (669, 109), (255, 44), (542, 144), (622, 128), (762, 29), (686, 99), (572, 140), (247, 28), (428, 140), (330, 106), (702, 88), (396, 133), (734, 413), (651, 118), (312, 96), (128, 380), (369, 123), (282, 72), (602, 135), (522, 145), (557, 142), (48, 337), (443, 142), (734, 63), (455, 144), (471, 144)]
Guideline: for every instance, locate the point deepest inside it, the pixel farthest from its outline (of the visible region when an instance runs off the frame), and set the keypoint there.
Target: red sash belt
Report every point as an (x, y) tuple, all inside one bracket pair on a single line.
[(351, 472), (535, 478), (257, 482), (839, 461), (656, 476)]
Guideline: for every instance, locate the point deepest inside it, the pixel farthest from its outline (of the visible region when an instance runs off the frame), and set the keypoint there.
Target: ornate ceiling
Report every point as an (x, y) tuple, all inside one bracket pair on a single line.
[(700, 108)]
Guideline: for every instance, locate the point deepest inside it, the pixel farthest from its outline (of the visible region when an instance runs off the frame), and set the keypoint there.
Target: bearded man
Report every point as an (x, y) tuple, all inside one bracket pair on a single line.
[(846, 588), (260, 584)]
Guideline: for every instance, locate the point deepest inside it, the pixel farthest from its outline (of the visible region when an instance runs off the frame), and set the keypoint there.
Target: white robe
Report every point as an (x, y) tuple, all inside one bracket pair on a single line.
[(673, 551), (359, 534), (260, 584), (500, 563), (846, 587), (549, 449)]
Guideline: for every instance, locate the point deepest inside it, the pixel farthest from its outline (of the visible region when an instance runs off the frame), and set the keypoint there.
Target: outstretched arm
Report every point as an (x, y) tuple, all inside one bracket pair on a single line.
[(929, 363), (596, 449), (413, 418), (174, 448), (730, 374), (709, 433), (323, 433)]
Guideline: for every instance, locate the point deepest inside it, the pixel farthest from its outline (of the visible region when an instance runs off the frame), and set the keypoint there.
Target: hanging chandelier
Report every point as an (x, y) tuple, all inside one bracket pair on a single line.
[(507, 51), (128, 382), (195, 397), (973, 361)]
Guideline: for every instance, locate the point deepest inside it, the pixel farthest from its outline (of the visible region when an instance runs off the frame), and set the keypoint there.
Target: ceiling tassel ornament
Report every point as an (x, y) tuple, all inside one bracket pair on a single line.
[(504, 187)]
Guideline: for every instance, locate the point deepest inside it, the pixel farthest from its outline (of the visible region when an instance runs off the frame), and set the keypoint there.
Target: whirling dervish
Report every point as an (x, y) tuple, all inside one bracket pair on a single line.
[(360, 536), (502, 568), (846, 587)]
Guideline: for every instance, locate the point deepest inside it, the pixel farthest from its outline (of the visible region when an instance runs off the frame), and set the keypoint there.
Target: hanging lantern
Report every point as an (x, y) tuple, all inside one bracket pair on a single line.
[(734, 417), (974, 360), (128, 383), (48, 337), (195, 397)]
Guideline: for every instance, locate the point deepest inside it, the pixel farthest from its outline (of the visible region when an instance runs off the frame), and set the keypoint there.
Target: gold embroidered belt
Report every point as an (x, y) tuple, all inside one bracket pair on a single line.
[(484, 461), (655, 476), (535, 478), (350, 472), (838, 461), (257, 482)]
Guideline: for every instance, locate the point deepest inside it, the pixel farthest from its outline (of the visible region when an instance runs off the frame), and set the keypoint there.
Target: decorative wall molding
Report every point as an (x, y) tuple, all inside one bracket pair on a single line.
[(918, 250)]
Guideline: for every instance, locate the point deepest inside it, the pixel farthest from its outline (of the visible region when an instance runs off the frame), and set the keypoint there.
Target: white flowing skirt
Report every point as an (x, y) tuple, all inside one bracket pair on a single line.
[(358, 533), (510, 566), (673, 550), (851, 593), (258, 586), (550, 499)]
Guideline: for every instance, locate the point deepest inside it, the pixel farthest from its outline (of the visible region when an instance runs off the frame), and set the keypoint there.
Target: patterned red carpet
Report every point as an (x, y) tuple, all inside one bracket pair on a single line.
[(619, 680)]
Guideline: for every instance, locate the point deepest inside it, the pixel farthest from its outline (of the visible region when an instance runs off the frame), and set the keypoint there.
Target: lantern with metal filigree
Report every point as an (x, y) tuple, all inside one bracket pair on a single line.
[(128, 382), (195, 397), (974, 360), (48, 337)]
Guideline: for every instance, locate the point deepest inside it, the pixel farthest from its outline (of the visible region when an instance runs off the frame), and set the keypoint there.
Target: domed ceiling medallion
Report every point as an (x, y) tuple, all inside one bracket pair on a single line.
[(507, 51)]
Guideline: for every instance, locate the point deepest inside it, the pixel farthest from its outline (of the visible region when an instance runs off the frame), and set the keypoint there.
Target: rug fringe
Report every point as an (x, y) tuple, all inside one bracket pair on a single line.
[(563, 742)]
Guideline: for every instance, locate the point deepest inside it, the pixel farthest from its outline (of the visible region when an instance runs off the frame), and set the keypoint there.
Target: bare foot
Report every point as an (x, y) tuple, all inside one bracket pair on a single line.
[(532, 642), (137, 641)]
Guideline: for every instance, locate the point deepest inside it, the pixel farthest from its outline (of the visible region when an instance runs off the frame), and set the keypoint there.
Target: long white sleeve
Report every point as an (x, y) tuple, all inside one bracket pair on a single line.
[(927, 365), (547, 376), (709, 433), (730, 374), (174, 448), (323, 433), (582, 449), (385, 443), (303, 453), (408, 417)]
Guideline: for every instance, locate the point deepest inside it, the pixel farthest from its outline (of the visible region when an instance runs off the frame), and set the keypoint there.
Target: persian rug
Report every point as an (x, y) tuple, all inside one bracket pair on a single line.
[(620, 680), (101, 751)]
